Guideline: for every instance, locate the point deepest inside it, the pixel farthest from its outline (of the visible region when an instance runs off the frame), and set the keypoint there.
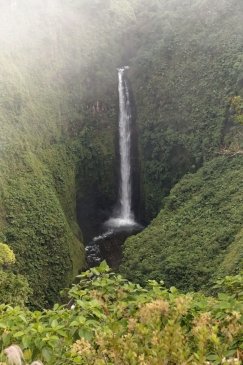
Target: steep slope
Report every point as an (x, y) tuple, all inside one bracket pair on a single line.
[(197, 236), (187, 64), (57, 115), (187, 68)]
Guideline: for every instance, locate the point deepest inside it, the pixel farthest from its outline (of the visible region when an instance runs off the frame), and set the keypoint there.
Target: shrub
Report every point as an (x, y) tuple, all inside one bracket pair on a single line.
[(14, 289), (112, 321)]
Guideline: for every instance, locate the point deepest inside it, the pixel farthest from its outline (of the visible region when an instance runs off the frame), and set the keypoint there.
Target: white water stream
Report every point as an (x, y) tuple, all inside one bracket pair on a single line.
[(124, 215), (123, 218)]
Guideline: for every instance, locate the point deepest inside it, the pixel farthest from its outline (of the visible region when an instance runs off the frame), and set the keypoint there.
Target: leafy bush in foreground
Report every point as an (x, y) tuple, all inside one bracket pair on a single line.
[(112, 321)]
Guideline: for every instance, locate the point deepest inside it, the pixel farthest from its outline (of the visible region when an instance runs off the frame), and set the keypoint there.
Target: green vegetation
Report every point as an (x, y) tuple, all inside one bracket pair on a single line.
[(117, 322), (186, 66), (14, 289), (7, 256), (58, 115), (197, 236), (237, 105)]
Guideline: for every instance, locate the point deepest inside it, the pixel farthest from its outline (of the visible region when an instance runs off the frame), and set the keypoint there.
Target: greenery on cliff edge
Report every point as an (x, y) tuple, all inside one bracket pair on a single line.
[(115, 322)]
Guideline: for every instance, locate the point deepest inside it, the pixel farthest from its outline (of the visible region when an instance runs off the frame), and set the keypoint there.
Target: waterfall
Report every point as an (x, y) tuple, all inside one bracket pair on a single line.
[(125, 148), (124, 215), (123, 218)]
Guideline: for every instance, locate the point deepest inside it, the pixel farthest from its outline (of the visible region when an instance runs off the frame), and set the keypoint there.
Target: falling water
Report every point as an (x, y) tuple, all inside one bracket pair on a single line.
[(125, 148), (124, 216)]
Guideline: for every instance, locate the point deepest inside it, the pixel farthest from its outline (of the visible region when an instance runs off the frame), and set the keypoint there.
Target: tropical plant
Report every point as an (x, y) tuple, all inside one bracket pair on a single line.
[(112, 321)]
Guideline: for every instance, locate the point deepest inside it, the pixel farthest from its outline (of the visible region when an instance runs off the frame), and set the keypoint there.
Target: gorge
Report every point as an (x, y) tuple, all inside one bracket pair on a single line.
[(121, 187), (59, 157)]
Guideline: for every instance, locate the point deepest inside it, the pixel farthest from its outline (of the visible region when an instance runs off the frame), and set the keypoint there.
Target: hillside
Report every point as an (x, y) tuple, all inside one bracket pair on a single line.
[(187, 66), (59, 111), (57, 114), (197, 236), (119, 117)]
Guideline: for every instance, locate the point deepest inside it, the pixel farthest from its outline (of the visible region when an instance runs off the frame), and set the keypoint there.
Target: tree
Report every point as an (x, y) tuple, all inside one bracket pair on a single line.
[(14, 288), (237, 107), (7, 256)]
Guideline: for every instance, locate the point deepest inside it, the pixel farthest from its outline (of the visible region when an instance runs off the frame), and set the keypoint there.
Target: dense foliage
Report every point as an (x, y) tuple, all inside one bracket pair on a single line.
[(116, 322), (197, 236), (7, 256), (187, 65), (237, 106), (58, 114), (14, 289), (57, 126)]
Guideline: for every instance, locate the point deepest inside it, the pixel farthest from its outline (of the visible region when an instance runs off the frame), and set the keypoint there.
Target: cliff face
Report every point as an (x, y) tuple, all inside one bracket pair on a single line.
[(197, 236), (58, 115), (187, 71), (187, 66)]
